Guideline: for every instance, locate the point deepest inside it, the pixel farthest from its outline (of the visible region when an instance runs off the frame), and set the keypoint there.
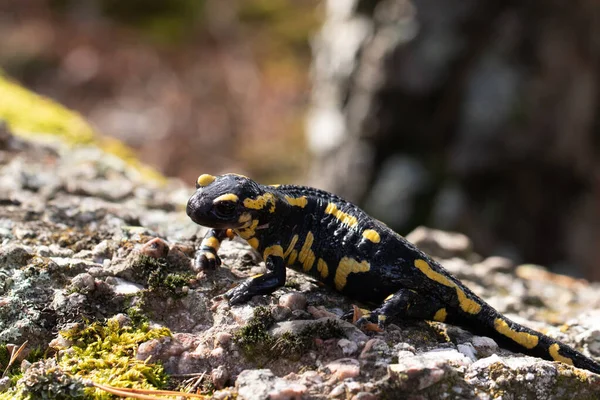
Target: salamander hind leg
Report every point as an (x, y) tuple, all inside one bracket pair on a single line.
[(406, 304)]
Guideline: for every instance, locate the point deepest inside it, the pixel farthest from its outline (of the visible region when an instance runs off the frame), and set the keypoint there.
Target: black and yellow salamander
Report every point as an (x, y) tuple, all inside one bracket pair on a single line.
[(320, 234)]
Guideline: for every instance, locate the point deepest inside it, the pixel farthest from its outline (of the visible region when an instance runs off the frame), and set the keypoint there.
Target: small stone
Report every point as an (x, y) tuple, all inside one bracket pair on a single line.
[(468, 350), (293, 301), (255, 384), (122, 319), (320, 312), (14, 256), (286, 391), (440, 243), (374, 349), (353, 386), (217, 352), (344, 368), (219, 376), (497, 264), (348, 347), (484, 346), (281, 313), (155, 248), (4, 383), (102, 251), (222, 338), (83, 282), (338, 390)]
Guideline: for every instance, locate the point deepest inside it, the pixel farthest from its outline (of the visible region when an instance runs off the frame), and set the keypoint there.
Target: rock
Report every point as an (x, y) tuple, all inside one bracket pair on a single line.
[(344, 368), (496, 264), (293, 301), (14, 256), (348, 347), (417, 372), (155, 248), (484, 345), (223, 338), (255, 384), (441, 244), (468, 350), (281, 313), (83, 282), (375, 349), (350, 331), (219, 377)]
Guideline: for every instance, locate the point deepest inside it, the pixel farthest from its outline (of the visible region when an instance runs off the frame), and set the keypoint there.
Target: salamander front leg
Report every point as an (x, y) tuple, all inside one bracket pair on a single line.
[(260, 284), (206, 257)]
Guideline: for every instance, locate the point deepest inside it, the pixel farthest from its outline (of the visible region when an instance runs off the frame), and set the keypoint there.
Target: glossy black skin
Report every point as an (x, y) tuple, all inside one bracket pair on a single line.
[(391, 260)]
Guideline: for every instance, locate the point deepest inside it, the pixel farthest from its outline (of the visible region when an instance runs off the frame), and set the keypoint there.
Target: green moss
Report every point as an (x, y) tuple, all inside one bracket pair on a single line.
[(105, 354), (255, 337), (155, 271), (257, 344), (30, 115)]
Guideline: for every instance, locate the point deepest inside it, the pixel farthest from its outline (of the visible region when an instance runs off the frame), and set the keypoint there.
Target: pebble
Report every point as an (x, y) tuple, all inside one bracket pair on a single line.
[(348, 347), (222, 338), (219, 376), (83, 282), (374, 349), (280, 313), (293, 301), (155, 248), (14, 256), (484, 345), (344, 368)]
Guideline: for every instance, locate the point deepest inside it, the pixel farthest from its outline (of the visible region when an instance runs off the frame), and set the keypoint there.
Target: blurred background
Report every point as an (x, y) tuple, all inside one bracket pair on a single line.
[(478, 117)]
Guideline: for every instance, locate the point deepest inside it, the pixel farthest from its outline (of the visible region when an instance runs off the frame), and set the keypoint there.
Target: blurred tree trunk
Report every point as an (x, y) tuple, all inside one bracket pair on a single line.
[(465, 115)]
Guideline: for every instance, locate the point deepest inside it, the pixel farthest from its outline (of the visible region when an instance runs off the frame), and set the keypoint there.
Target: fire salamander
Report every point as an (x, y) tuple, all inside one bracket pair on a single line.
[(320, 234)]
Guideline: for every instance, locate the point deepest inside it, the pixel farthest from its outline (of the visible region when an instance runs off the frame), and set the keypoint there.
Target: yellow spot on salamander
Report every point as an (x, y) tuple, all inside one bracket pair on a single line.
[(440, 315), (261, 202), (346, 267), (209, 255), (297, 201), (553, 350), (342, 216), (525, 339), (256, 276), (306, 256), (253, 242), (290, 246), (322, 268), (248, 231), (467, 305), (226, 197), (211, 242), (205, 180), (244, 218), (293, 256), (275, 185), (371, 235), (275, 250), (389, 297)]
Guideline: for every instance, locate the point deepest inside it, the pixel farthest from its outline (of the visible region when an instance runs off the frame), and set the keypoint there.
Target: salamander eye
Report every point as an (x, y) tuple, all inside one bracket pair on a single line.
[(224, 209)]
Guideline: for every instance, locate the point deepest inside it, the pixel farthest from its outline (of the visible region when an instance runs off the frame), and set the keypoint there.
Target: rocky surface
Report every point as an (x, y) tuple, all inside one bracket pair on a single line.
[(84, 238)]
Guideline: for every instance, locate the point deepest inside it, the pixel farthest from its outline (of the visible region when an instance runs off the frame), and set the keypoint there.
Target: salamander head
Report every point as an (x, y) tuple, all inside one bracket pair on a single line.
[(220, 201)]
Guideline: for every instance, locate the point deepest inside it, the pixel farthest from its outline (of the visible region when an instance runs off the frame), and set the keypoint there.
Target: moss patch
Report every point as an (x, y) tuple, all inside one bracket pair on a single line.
[(105, 354), (258, 345)]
